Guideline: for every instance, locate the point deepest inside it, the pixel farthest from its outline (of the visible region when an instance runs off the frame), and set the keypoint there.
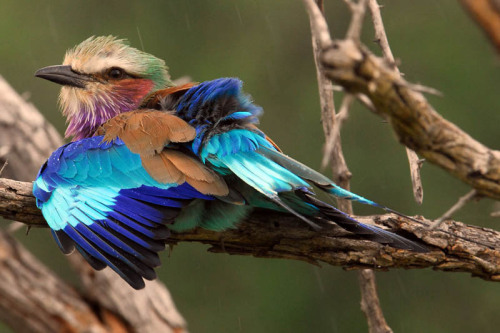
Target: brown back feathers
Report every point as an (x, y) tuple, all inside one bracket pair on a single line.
[(147, 133)]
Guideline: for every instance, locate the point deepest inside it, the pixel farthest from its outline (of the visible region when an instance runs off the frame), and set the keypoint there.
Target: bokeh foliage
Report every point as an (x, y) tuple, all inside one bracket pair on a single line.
[(267, 44)]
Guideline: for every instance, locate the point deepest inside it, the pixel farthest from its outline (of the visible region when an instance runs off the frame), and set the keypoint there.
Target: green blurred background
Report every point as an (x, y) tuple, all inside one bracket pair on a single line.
[(267, 45)]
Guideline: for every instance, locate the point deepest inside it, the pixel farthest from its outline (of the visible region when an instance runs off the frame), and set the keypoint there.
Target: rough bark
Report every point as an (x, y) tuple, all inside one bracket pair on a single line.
[(455, 247), (33, 299), (26, 138)]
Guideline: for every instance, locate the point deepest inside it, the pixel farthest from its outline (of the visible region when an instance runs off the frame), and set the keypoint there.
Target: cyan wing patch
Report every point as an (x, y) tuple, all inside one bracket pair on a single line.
[(236, 152), (97, 198)]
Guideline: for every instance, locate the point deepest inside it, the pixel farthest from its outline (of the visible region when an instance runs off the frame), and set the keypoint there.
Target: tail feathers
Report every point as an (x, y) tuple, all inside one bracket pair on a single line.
[(278, 201), (306, 173), (369, 232), (322, 182), (389, 210)]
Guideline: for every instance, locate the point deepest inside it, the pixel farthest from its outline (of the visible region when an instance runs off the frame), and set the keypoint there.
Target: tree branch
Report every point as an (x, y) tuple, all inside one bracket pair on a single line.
[(381, 38), (269, 234), (486, 13), (26, 138), (370, 303), (34, 299), (416, 124), (333, 150)]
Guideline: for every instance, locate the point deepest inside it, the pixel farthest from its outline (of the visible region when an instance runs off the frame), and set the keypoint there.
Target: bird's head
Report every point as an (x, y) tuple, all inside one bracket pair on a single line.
[(101, 78)]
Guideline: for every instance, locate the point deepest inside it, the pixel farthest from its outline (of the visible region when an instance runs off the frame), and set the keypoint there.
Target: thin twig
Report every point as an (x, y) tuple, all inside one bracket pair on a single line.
[(3, 167), (486, 13), (333, 152), (340, 117), (381, 38), (424, 89), (370, 303), (340, 171), (457, 206), (358, 10), (318, 23), (416, 180), (320, 40), (366, 102), (380, 35)]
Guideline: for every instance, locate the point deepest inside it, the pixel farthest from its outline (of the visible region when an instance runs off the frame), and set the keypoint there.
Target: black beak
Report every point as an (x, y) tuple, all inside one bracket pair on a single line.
[(63, 75)]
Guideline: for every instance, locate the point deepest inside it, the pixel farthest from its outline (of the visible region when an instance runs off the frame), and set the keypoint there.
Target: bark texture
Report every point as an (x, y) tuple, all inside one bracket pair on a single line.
[(454, 247), (26, 138), (33, 299)]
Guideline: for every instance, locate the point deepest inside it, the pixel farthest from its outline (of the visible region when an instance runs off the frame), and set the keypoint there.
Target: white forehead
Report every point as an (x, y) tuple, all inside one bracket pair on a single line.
[(97, 54)]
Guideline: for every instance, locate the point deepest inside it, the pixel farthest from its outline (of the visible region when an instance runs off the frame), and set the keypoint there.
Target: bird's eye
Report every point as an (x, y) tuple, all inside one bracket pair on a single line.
[(116, 73)]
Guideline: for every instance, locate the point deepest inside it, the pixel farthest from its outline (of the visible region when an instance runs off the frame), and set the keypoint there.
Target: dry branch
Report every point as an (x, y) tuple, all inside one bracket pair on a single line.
[(462, 201), (487, 15), (333, 151), (381, 38), (370, 303), (416, 124), (26, 138), (34, 299), (277, 235)]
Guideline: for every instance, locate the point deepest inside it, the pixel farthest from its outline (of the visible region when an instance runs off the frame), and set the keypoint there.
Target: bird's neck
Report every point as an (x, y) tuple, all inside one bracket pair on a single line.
[(87, 110)]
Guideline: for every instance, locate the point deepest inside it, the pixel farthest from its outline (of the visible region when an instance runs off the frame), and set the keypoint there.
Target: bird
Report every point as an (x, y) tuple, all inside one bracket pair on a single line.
[(147, 157)]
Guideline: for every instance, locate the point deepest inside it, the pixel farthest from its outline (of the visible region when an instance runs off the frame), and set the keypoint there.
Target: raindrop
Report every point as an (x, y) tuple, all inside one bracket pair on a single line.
[(238, 12), (320, 280), (140, 37), (52, 26)]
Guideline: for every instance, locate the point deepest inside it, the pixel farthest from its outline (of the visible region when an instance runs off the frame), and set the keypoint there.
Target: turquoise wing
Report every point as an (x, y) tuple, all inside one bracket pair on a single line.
[(97, 198)]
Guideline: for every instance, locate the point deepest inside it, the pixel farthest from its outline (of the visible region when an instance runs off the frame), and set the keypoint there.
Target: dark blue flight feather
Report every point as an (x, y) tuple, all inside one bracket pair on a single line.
[(97, 197)]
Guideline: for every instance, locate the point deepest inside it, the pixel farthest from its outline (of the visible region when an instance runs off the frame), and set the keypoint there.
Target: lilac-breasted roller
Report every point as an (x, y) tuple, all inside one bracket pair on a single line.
[(148, 157)]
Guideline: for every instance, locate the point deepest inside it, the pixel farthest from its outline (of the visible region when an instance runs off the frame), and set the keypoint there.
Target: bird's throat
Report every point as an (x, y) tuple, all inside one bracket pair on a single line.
[(86, 111)]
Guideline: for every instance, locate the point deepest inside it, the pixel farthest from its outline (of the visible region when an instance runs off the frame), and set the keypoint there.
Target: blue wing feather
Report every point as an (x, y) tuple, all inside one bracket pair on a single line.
[(97, 197)]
